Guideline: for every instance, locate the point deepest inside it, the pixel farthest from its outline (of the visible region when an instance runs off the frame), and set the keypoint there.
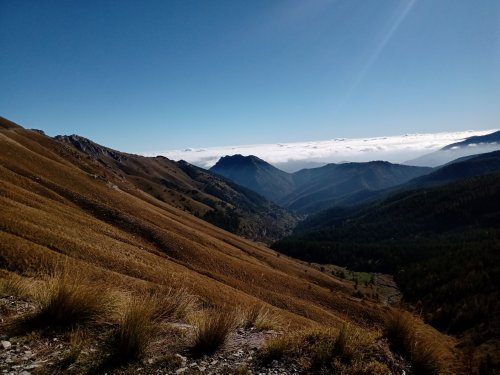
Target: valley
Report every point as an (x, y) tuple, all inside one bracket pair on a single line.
[(185, 248)]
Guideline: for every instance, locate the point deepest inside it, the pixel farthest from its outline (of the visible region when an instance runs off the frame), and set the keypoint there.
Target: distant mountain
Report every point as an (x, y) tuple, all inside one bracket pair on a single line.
[(470, 146), (314, 189), (468, 166), (192, 189), (255, 174), (347, 183)]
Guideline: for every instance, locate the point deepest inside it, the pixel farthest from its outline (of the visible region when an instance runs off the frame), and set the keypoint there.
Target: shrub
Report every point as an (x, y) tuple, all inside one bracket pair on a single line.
[(212, 331)]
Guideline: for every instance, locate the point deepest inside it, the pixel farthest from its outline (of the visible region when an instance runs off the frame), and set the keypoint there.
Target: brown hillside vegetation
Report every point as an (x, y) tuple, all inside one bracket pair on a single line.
[(192, 189), (61, 206)]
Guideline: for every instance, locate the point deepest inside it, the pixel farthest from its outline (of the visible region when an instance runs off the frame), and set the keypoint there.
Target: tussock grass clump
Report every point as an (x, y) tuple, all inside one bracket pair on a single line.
[(212, 331), (403, 337), (329, 347), (66, 302), (134, 331), (277, 348), (318, 351), (17, 286), (260, 317), (399, 331), (169, 304)]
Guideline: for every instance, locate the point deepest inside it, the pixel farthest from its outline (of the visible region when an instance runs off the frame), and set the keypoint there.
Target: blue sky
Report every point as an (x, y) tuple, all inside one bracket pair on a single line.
[(156, 75)]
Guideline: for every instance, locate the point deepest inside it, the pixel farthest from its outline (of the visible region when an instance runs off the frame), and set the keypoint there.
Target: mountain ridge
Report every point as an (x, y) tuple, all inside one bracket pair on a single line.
[(310, 190), (193, 189)]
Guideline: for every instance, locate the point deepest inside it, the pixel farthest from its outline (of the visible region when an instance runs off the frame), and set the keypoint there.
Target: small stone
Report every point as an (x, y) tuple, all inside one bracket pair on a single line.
[(214, 362), (202, 368), (194, 364), (182, 370), (6, 345), (25, 373), (182, 358)]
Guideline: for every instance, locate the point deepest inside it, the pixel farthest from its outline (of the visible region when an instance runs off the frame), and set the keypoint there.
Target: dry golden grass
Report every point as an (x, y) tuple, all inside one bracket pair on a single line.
[(325, 350), (65, 302), (404, 338), (172, 305), (259, 317), (212, 330), (14, 285), (134, 331), (58, 204)]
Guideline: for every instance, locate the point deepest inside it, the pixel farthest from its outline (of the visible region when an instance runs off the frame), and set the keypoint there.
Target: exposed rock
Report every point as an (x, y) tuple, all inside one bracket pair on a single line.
[(6, 345)]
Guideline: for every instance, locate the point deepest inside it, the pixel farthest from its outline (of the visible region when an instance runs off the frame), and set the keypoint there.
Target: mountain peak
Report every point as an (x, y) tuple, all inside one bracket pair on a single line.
[(240, 160)]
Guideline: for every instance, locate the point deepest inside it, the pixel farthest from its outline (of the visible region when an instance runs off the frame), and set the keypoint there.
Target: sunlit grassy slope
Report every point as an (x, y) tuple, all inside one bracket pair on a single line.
[(58, 204)]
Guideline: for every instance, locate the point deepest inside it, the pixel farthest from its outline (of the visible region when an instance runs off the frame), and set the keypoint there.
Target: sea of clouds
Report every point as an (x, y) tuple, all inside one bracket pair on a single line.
[(294, 156)]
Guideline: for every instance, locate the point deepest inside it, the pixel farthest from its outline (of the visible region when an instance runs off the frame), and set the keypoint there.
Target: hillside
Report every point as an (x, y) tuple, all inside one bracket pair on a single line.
[(334, 184), (192, 189), (469, 166), (312, 190), (63, 208), (441, 243)]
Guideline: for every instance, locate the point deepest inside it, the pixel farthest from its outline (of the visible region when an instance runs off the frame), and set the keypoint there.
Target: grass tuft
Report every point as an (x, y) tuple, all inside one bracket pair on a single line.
[(403, 337), (169, 304), (314, 351), (260, 317), (65, 303), (213, 329), (133, 335), (17, 286)]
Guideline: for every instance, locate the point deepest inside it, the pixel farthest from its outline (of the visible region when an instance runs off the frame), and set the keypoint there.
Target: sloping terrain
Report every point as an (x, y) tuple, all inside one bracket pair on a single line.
[(192, 189), (469, 166), (312, 190), (441, 243), (58, 202), (255, 174), (61, 206), (471, 146), (334, 184)]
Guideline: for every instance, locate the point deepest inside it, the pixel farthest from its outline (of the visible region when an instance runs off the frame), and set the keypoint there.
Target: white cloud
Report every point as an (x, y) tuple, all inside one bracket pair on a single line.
[(293, 156)]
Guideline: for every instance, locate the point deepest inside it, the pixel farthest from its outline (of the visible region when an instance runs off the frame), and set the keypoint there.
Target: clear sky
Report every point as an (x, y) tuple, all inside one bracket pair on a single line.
[(157, 75)]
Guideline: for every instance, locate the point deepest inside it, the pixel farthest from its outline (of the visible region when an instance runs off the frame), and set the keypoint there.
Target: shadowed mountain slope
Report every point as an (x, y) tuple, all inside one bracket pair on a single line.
[(195, 190), (345, 183), (312, 190), (255, 174)]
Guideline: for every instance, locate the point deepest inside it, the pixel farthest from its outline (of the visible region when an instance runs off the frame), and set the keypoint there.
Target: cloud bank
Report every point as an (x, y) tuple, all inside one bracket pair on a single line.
[(297, 155)]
